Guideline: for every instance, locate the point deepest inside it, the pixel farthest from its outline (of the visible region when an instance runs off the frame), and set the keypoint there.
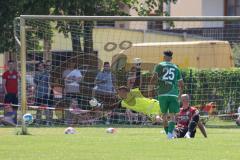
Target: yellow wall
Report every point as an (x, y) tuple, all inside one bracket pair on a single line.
[(101, 36), (1, 62), (199, 54), (60, 42), (1, 59)]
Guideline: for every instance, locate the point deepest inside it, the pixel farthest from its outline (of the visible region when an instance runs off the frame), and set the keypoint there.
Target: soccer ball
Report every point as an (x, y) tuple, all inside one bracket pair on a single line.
[(111, 130), (27, 118), (94, 103), (70, 130)]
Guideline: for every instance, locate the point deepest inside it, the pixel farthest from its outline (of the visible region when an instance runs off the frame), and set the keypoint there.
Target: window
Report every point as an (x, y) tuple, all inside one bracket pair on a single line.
[(155, 25), (232, 7)]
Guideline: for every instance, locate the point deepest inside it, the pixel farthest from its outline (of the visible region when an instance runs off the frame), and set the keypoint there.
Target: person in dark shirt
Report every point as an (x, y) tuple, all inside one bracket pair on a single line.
[(42, 91), (10, 85)]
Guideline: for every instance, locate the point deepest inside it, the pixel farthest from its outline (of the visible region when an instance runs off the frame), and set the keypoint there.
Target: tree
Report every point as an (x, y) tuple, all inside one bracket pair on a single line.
[(146, 7), (8, 11), (43, 30), (103, 8), (154, 7), (84, 29), (236, 54), (11, 9)]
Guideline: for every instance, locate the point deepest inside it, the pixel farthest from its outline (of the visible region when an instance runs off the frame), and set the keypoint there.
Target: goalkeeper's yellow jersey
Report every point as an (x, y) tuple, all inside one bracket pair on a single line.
[(137, 102)]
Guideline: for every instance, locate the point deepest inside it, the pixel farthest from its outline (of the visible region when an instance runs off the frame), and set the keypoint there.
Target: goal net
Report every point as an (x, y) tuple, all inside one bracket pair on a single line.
[(72, 67)]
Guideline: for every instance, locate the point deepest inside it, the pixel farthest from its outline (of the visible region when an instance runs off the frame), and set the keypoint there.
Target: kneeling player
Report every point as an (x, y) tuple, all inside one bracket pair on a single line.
[(188, 120)]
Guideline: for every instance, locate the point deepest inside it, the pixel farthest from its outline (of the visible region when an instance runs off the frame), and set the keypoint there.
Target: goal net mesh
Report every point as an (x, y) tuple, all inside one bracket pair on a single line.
[(75, 67)]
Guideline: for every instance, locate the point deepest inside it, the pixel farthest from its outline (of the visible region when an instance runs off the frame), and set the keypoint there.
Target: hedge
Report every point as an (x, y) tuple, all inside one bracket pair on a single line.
[(213, 85), (221, 86)]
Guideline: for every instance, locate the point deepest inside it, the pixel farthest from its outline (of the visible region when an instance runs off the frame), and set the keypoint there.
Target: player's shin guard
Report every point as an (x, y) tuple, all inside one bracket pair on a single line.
[(171, 126)]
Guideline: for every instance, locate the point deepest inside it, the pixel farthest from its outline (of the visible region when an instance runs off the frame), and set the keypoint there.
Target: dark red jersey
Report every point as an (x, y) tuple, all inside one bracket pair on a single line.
[(184, 116), (11, 81)]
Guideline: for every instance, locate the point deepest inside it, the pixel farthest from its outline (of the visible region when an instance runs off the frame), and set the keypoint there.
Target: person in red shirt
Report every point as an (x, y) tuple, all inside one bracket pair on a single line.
[(188, 120), (10, 85)]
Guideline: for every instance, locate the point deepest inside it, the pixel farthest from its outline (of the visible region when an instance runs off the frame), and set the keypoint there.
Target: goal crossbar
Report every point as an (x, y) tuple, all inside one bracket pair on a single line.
[(133, 18)]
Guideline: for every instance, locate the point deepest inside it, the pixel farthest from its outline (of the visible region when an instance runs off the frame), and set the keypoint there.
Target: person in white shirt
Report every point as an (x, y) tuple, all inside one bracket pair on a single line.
[(72, 76)]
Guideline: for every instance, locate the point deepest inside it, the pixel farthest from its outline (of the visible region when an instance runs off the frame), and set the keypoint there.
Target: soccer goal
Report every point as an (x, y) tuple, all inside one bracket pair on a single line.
[(72, 66)]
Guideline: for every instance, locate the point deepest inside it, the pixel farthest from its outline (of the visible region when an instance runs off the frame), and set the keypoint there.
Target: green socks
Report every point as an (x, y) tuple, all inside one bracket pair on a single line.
[(166, 130), (171, 126)]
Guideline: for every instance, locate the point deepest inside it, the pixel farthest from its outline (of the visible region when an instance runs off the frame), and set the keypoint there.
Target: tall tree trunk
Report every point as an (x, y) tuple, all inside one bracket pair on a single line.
[(75, 37), (88, 40), (47, 48)]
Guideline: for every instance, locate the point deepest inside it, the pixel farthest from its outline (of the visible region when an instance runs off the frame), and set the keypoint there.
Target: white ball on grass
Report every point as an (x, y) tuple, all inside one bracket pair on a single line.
[(70, 130), (27, 118), (111, 130)]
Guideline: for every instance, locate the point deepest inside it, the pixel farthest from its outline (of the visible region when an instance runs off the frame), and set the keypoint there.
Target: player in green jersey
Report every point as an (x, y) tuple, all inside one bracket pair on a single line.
[(169, 82)]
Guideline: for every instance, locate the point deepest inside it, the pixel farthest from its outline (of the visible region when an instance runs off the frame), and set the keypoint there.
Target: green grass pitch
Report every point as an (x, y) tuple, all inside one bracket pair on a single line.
[(93, 143)]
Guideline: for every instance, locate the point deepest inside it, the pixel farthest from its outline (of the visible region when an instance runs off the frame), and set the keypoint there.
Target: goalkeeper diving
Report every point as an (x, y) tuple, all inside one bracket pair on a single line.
[(135, 101), (187, 119)]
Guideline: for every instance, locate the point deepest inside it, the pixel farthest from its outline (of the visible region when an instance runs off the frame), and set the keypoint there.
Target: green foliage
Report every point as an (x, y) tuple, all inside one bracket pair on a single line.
[(145, 8), (8, 11), (236, 54), (11, 9), (210, 85), (218, 85), (85, 8)]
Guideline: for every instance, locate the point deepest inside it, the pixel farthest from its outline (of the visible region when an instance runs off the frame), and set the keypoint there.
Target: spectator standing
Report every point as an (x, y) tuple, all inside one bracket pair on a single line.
[(10, 85), (72, 77), (105, 82), (42, 91)]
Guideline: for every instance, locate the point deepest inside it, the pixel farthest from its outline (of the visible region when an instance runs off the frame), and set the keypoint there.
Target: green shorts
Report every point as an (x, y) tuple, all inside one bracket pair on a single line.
[(169, 104)]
